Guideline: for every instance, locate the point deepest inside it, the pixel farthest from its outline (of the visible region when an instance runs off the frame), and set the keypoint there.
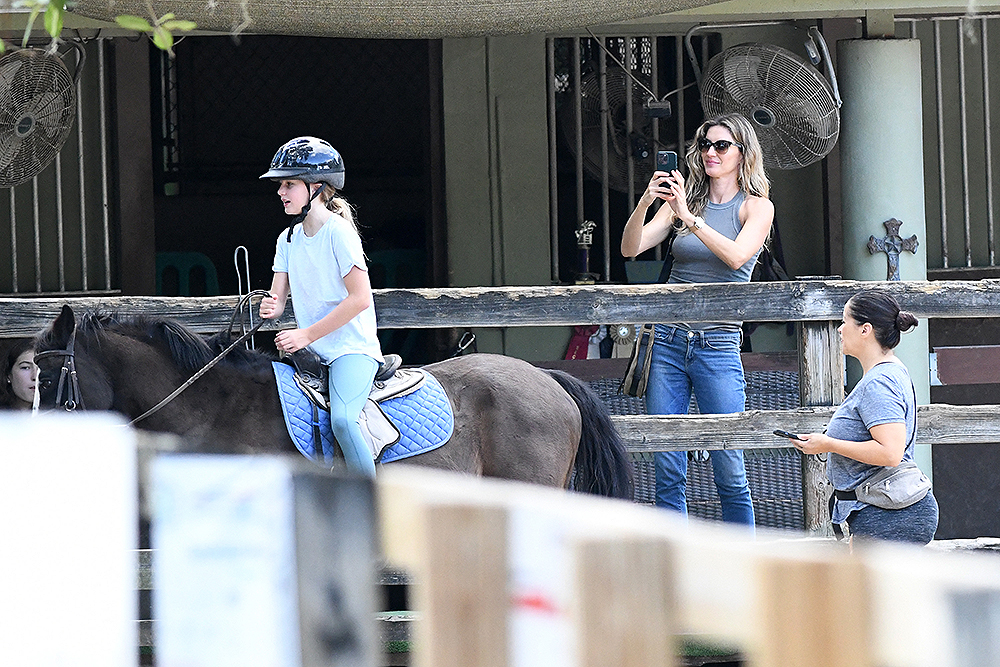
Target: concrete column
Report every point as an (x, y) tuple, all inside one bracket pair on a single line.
[(882, 176)]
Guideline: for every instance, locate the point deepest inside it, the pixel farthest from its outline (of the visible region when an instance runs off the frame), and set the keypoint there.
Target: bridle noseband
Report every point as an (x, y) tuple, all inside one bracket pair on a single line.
[(67, 375)]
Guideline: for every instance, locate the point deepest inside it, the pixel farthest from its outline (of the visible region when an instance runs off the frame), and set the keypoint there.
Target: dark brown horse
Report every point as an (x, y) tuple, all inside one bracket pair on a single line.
[(512, 420)]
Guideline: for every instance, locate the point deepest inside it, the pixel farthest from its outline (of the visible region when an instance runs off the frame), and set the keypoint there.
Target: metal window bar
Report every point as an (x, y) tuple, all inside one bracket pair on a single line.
[(940, 137), (550, 65), (963, 119), (987, 126), (13, 241), (60, 241), (105, 210), (629, 128), (954, 64), (605, 189), (578, 134), (43, 217), (84, 255), (36, 227), (611, 189)]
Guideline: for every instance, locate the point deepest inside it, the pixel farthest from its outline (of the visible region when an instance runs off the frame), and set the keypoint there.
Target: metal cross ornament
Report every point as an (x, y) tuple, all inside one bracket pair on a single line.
[(892, 245)]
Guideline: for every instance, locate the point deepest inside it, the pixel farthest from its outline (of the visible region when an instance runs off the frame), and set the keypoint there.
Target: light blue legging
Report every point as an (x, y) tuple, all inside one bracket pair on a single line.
[(351, 378)]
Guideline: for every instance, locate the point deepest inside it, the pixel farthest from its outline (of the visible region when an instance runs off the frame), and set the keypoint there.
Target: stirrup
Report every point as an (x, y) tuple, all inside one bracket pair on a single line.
[(388, 368)]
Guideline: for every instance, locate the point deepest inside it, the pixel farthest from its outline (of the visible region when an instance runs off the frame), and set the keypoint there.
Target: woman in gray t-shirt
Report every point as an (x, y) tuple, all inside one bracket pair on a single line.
[(876, 424)]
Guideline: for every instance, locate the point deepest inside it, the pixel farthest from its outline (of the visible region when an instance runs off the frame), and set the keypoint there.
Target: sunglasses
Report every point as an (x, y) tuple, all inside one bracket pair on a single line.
[(720, 146)]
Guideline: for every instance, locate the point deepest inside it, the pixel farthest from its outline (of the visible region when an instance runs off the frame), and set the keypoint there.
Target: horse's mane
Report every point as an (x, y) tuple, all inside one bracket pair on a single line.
[(186, 348)]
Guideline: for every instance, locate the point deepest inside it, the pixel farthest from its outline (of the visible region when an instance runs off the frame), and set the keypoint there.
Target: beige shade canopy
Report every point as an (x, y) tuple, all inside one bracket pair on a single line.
[(402, 19)]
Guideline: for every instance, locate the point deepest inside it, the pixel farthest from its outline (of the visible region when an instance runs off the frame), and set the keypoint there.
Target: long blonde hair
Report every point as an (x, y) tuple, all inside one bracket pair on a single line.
[(752, 179), (338, 205)]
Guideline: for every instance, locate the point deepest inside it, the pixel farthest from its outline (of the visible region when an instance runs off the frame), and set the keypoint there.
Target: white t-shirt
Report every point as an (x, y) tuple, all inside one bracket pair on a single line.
[(316, 266)]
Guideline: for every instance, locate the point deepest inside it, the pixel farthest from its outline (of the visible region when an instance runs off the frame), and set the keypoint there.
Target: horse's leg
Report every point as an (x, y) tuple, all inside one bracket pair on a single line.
[(512, 421)]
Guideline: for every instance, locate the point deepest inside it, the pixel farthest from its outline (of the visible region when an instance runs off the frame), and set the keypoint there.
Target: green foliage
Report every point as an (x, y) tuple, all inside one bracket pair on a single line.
[(162, 29), (53, 12)]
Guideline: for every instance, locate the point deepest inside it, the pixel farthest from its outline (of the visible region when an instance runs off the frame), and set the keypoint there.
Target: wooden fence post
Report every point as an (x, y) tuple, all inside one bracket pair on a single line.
[(68, 493), (262, 560), (626, 602), (821, 382), (808, 605), (462, 587)]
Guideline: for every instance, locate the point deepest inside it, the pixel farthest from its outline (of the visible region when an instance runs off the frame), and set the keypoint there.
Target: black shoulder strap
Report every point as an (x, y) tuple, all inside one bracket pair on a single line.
[(668, 257)]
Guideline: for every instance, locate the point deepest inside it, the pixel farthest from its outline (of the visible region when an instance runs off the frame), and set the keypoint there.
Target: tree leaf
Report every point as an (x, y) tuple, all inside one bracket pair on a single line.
[(35, 10), (162, 38), (54, 18), (180, 25), (136, 23)]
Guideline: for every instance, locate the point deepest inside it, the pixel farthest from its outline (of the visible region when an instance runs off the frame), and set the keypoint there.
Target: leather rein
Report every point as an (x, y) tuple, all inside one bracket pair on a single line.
[(68, 377)]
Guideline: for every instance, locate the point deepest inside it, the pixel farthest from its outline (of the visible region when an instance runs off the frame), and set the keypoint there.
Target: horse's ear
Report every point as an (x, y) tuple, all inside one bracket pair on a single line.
[(65, 324)]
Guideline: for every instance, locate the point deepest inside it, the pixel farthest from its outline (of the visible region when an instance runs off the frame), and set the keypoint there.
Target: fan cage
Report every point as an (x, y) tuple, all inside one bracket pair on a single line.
[(619, 145), (37, 109), (790, 104)]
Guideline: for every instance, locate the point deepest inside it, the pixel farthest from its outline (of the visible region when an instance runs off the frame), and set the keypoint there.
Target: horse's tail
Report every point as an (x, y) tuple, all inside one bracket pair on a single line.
[(603, 466)]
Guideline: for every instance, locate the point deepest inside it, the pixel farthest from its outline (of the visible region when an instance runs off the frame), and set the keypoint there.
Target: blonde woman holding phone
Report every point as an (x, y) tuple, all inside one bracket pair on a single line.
[(722, 217)]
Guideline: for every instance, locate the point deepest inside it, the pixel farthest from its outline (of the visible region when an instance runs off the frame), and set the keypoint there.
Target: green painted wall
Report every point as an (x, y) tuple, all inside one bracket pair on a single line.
[(496, 179)]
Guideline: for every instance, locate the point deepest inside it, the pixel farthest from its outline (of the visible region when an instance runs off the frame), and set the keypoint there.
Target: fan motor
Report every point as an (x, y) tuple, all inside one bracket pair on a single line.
[(762, 117), (24, 126)]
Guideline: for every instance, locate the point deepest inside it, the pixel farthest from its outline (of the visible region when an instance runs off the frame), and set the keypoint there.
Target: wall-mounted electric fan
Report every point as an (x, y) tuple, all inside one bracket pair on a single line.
[(620, 144), (794, 108), (37, 108)]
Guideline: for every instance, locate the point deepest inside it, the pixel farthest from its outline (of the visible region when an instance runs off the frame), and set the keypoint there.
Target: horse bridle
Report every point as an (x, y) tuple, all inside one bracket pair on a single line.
[(68, 380)]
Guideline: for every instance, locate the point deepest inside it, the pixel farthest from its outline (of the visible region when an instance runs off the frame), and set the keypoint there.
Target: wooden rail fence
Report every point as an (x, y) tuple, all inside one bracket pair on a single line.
[(423, 308), (815, 305), (506, 574)]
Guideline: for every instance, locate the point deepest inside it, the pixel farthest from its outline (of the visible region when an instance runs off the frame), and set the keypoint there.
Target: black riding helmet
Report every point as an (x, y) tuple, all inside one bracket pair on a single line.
[(310, 160)]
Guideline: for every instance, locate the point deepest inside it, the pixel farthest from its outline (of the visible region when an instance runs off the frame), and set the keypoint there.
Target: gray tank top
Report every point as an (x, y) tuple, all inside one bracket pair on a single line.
[(695, 263)]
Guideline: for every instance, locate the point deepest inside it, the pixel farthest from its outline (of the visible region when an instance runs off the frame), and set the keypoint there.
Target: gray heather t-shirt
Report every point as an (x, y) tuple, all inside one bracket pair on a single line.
[(883, 396)]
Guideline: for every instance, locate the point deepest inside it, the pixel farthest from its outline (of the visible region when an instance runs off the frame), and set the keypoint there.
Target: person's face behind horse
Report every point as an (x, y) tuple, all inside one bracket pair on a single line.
[(130, 364)]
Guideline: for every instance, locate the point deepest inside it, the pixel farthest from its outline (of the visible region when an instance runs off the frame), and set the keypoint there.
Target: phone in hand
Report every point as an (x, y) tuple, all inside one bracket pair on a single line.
[(666, 161), (785, 434)]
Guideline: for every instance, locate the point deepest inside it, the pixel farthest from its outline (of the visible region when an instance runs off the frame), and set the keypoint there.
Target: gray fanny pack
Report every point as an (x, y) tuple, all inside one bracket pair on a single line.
[(891, 488)]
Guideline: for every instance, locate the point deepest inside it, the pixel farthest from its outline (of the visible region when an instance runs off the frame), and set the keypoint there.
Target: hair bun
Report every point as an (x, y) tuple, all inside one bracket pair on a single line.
[(905, 320)]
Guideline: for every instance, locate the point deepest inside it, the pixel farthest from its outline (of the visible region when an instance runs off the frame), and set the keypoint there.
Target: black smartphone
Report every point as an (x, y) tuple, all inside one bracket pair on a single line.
[(786, 434), (666, 161)]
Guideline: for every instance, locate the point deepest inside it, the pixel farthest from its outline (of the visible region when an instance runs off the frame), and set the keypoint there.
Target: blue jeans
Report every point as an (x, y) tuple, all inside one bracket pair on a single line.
[(351, 378), (708, 363)]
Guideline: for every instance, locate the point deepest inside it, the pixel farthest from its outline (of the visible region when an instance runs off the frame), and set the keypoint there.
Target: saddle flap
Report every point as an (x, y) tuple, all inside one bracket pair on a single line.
[(379, 431), (313, 389)]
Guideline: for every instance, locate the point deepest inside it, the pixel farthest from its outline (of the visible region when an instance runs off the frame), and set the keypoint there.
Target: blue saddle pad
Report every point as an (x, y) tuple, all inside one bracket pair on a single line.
[(424, 418)]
